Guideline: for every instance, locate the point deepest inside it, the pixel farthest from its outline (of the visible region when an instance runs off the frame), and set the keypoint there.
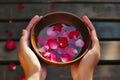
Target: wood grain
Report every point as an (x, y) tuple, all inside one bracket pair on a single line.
[(95, 11)]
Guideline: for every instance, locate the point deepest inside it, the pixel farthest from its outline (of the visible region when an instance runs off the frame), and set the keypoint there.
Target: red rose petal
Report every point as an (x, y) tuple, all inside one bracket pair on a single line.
[(10, 45), (52, 43), (21, 6), (22, 77), (12, 66), (63, 42), (52, 6), (74, 34), (65, 58), (58, 27), (10, 34)]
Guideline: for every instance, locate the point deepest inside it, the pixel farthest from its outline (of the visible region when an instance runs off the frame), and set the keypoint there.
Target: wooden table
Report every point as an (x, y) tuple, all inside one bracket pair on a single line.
[(105, 15)]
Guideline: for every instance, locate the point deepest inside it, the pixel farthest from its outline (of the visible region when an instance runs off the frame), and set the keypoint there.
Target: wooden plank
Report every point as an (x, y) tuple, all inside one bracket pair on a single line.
[(104, 72), (6, 55), (14, 28), (18, 1), (97, 11), (7, 74), (109, 51), (105, 30)]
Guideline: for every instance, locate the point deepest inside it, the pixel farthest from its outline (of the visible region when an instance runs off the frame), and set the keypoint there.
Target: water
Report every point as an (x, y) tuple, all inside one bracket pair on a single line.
[(60, 42)]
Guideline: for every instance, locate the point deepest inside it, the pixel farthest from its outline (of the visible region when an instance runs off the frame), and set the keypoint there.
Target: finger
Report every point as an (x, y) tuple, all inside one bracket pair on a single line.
[(34, 20), (92, 30), (89, 23), (25, 35), (44, 72)]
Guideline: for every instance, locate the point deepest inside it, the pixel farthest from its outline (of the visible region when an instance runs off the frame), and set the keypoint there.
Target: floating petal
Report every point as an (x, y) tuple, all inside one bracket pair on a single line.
[(74, 34), (65, 58), (50, 32), (79, 43), (51, 56), (40, 40), (71, 51), (58, 27), (52, 43), (63, 42)]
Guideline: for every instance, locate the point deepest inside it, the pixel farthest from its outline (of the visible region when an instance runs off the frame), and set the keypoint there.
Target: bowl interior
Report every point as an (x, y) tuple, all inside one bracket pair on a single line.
[(66, 18)]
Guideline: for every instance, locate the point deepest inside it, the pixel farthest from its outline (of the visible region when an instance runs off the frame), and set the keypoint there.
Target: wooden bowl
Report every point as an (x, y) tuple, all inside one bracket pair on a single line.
[(61, 17)]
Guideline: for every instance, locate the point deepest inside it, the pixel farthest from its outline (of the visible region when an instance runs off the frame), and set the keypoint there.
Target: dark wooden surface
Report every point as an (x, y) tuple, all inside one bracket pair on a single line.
[(105, 15)]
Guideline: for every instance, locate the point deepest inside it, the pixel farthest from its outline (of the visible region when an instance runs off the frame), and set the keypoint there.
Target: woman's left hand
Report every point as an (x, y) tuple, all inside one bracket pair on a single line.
[(33, 69)]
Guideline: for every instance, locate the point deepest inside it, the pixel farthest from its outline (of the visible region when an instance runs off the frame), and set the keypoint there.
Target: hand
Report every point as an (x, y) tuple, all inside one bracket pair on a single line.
[(83, 70), (33, 69)]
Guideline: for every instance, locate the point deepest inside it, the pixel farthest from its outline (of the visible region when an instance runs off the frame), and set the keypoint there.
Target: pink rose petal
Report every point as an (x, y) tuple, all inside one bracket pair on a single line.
[(65, 58), (41, 40), (59, 50), (71, 51), (11, 21), (79, 43), (51, 56), (44, 49), (50, 32), (52, 43)]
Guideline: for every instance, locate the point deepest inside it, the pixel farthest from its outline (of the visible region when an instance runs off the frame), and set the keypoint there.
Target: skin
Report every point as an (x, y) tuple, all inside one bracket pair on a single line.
[(84, 69), (35, 70)]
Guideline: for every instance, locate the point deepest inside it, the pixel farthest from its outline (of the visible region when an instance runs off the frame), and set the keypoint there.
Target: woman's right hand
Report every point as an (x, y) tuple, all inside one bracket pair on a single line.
[(83, 70)]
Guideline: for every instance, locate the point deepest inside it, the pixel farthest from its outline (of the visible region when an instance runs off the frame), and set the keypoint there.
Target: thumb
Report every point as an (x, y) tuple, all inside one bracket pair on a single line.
[(25, 36)]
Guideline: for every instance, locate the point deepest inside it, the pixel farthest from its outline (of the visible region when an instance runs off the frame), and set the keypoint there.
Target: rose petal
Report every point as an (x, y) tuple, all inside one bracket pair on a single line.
[(74, 34), (71, 51), (52, 6), (58, 27), (12, 66), (52, 43), (44, 49), (79, 43), (22, 77), (10, 45), (21, 6), (63, 42), (65, 58), (50, 32), (51, 56), (11, 21), (59, 50), (40, 40)]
